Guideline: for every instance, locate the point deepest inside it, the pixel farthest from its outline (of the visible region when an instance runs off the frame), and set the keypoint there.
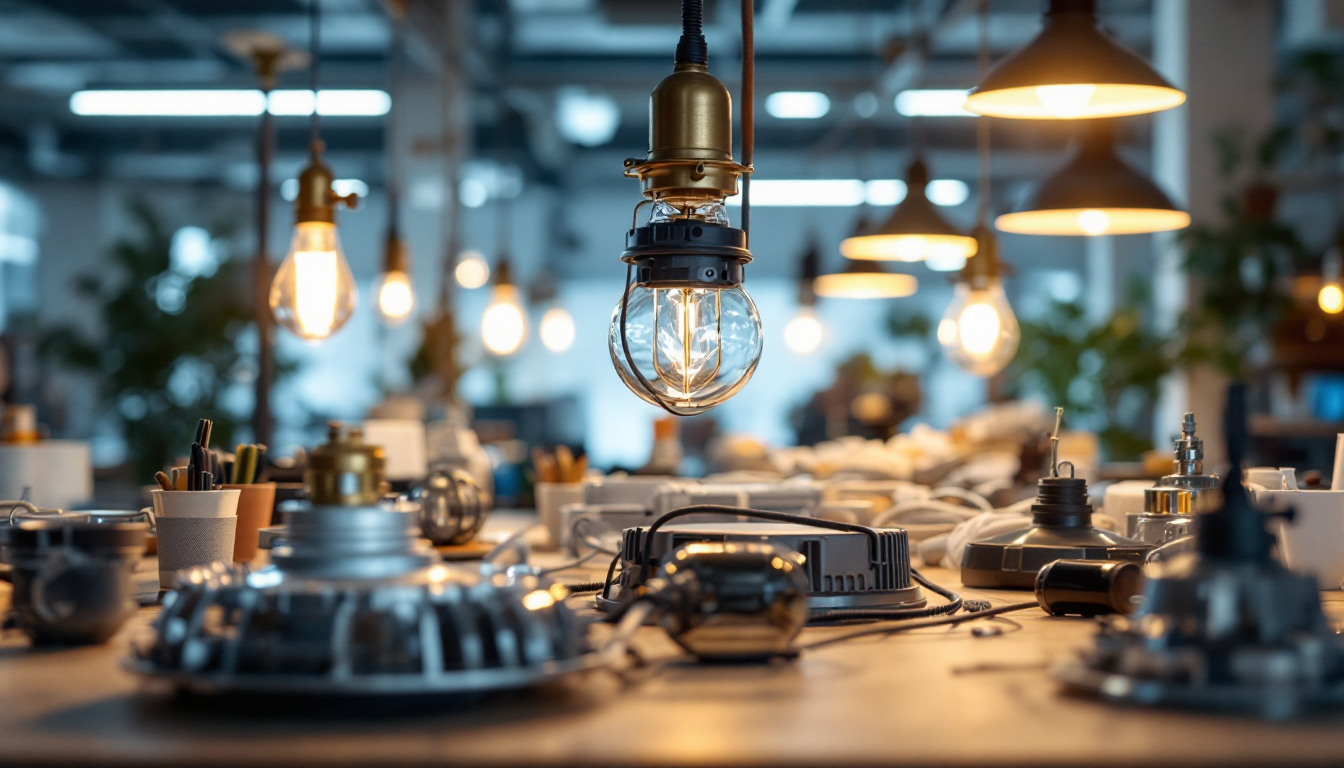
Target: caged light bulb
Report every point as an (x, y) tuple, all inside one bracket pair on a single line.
[(979, 331), (314, 293)]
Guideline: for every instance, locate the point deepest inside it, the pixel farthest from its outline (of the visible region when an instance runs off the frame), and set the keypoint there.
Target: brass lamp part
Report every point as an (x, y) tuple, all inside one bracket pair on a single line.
[(345, 471), (984, 267), (690, 158), (396, 258), (316, 200)]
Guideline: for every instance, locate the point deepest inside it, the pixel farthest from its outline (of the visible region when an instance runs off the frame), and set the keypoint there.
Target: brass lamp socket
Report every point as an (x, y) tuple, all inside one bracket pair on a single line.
[(984, 267), (395, 256), (316, 200), (687, 254), (690, 156), (345, 471)]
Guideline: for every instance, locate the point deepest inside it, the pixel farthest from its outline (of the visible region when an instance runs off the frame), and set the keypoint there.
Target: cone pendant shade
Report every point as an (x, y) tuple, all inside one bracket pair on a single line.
[(1095, 193), (915, 231), (865, 280), (1072, 70)]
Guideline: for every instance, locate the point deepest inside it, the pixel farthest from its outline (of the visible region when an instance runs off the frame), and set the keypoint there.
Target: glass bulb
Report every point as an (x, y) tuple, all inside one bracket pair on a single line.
[(503, 326), (1065, 100), (979, 331), (557, 329), (313, 293), (1331, 298), (803, 333), (696, 347), (396, 298), (472, 271)]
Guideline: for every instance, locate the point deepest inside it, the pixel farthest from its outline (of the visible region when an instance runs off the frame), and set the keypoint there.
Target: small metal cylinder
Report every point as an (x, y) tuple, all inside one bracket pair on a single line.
[(1089, 587), (345, 471)]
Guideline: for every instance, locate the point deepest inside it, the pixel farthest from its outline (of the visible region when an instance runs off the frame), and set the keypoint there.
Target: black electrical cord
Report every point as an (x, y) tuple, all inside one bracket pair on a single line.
[(584, 586), (315, 67), (691, 48), (571, 564), (611, 575), (943, 621)]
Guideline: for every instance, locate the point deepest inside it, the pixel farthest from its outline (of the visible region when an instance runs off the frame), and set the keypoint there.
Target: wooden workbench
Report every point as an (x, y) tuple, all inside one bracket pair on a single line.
[(932, 697)]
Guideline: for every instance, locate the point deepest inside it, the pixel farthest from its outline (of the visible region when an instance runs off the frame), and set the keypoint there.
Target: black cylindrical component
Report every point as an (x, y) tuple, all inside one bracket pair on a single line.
[(687, 254), (1069, 6), (1062, 501), (691, 48), (1089, 587)]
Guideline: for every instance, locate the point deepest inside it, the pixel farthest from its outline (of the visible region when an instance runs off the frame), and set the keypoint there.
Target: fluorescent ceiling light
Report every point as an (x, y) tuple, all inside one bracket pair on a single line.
[(932, 103), (797, 105), (845, 193), (587, 119), (289, 188), (228, 103)]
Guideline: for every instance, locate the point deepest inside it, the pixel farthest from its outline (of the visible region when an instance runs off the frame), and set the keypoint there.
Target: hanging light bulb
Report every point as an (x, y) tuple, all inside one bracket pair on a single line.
[(1331, 297), (1095, 193), (979, 331), (472, 270), (804, 332), (504, 325), (1071, 70), (915, 231), (685, 336), (396, 297), (313, 293), (557, 329)]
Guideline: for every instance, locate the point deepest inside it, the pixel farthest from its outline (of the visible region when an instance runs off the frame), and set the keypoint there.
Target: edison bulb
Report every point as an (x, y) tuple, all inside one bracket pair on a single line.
[(803, 333), (396, 298), (313, 293), (1065, 100), (503, 326), (979, 331), (472, 271), (1331, 298), (557, 329), (695, 347)]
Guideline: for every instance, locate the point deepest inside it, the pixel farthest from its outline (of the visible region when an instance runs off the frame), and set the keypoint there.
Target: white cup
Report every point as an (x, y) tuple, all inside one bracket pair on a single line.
[(550, 498), (1313, 543), (195, 528), (1273, 478)]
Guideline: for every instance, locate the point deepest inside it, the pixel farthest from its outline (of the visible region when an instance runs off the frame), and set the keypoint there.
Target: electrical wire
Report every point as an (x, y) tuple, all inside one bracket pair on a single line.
[(583, 586), (315, 67), (572, 564), (944, 621), (748, 110)]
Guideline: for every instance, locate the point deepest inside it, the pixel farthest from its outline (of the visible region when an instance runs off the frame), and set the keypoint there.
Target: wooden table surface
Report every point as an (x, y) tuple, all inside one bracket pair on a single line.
[(931, 697)]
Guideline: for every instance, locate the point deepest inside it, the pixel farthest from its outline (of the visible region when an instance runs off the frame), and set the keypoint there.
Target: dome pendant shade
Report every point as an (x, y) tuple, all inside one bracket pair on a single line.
[(865, 280), (1095, 193), (1072, 70), (913, 231)]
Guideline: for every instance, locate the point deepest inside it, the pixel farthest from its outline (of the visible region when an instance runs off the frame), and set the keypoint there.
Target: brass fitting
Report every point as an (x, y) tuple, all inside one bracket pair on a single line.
[(316, 200), (984, 267), (344, 471)]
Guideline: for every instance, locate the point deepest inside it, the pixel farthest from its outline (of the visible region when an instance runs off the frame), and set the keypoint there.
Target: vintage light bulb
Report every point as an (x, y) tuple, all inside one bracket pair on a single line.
[(504, 326), (396, 296), (314, 293), (979, 331), (1331, 298), (804, 332), (557, 329), (472, 271)]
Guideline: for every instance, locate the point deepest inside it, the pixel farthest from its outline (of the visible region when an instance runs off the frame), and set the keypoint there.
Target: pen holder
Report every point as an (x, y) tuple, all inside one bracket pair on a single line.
[(195, 528), (254, 513)]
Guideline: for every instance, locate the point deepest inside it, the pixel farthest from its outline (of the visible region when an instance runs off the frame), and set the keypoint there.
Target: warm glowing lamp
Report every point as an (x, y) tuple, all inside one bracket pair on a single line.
[(504, 325), (914, 231), (865, 280), (804, 333), (1073, 69), (979, 331)]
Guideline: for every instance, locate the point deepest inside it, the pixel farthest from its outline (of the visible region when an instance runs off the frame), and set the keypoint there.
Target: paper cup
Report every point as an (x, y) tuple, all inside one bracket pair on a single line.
[(255, 506), (195, 528), (1313, 543)]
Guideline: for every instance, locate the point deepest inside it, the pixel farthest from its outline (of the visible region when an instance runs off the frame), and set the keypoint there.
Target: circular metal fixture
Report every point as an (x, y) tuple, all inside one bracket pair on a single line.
[(865, 280), (914, 231)]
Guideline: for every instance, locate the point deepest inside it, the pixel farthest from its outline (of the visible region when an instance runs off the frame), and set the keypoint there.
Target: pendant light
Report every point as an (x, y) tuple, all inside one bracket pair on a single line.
[(1095, 193), (1072, 69), (504, 324), (1330, 298), (556, 329), (804, 333), (865, 280), (685, 336), (979, 331), (396, 295), (915, 230), (313, 293)]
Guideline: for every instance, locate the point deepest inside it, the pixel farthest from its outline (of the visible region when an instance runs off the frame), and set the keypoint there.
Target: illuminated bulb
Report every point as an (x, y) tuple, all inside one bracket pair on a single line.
[(1065, 101), (557, 329), (503, 325), (911, 249), (313, 293), (472, 271), (1093, 222), (1331, 298), (979, 331), (396, 299), (696, 347), (803, 333)]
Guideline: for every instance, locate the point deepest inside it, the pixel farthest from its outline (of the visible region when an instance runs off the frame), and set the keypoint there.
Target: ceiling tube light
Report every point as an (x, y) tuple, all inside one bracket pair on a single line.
[(865, 280), (979, 332), (1073, 69), (797, 105), (685, 336), (1095, 193), (914, 231), (314, 293)]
